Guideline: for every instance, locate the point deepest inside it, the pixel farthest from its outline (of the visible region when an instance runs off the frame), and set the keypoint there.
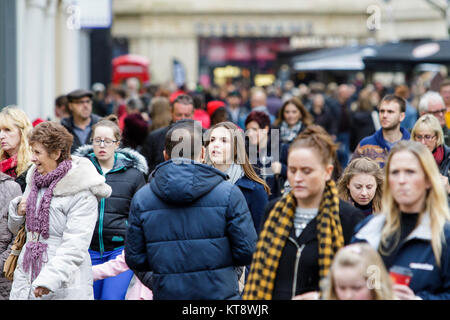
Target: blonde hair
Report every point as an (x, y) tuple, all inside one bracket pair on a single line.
[(240, 156), (11, 117), (429, 122), (362, 165), (435, 201), (370, 266)]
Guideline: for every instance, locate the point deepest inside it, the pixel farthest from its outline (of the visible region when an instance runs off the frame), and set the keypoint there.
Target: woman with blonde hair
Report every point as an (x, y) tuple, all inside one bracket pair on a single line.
[(413, 229), (361, 184), (357, 273), (428, 131), (15, 152)]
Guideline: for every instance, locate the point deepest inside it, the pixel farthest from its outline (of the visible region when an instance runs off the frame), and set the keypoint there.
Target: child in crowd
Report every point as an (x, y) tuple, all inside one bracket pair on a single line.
[(116, 266), (357, 273)]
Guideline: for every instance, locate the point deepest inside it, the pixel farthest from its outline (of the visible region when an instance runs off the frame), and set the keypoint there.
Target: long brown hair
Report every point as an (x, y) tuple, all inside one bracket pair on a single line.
[(240, 156), (306, 117), (366, 166)]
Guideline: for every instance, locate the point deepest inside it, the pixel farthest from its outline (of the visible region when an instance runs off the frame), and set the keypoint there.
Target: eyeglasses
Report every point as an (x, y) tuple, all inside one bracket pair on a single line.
[(106, 142), (82, 101), (443, 110), (426, 137)]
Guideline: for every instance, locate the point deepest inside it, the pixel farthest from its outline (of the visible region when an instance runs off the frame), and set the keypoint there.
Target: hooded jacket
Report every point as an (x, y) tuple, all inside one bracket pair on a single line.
[(190, 227), (125, 178), (8, 191), (67, 272)]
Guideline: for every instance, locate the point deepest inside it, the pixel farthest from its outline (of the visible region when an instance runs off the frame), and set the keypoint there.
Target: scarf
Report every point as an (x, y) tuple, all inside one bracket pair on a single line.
[(438, 155), (276, 230), (37, 221), (288, 134), (235, 172), (9, 165)]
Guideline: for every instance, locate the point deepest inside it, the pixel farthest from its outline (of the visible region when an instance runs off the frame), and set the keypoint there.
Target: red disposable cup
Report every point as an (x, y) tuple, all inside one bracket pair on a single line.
[(400, 275)]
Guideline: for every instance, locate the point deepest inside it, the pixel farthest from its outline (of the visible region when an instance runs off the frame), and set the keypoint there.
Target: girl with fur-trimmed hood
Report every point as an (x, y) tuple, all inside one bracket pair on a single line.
[(124, 170)]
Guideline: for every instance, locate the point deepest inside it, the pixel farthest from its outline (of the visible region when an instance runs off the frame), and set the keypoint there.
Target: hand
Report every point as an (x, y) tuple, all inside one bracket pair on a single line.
[(444, 180), (22, 207), (403, 292), (276, 167), (311, 295), (40, 291)]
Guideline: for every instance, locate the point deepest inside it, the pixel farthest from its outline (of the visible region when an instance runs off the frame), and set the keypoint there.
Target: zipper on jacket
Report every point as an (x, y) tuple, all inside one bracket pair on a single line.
[(100, 227), (297, 261)]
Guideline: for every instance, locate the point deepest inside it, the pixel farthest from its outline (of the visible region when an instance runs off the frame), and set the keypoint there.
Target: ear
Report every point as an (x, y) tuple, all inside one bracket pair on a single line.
[(402, 116), (166, 156), (329, 171), (202, 154), (55, 155)]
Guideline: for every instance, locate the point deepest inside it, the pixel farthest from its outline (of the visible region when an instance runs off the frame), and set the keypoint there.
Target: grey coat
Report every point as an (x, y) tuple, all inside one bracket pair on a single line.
[(9, 189)]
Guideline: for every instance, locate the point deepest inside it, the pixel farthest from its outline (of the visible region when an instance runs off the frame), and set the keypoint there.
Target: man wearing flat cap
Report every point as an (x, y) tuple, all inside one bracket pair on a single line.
[(81, 119)]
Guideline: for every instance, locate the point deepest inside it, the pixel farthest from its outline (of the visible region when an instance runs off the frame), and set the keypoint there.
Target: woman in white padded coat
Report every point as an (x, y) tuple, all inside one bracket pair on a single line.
[(60, 204)]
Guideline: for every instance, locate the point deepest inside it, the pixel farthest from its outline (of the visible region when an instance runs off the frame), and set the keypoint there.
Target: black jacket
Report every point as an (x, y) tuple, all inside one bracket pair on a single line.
[(125, 179), (69, 125), (153, 147), (308, 266)]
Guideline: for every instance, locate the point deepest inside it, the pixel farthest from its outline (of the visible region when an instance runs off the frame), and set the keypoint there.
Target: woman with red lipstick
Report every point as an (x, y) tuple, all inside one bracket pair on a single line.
[(15, 152), (305, 228), (361, 185), (124, 170)]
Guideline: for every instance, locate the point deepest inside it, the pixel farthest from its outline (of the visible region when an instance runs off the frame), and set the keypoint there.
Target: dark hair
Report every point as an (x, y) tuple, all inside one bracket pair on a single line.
[(393, 98), (218, 116), (62, 101), (54, 137), (184, 131), (121, 92), (260, 117), (183, 99), (306, 117)]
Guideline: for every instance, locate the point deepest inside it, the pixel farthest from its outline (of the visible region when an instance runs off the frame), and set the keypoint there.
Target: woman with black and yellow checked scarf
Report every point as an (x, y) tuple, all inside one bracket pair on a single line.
[(305, 228)]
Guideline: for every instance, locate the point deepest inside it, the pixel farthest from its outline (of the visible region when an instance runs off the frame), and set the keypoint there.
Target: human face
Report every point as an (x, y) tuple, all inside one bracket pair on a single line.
[(102, 151), (350, 285), (220, 147), (182, 111), (45, 162), (445, 94), (307, 176), (256, 135), (407, 181), (427, 137), (81, 108), (390, 115), (437, 109), (362, 188), (10, 140), (291, 114)]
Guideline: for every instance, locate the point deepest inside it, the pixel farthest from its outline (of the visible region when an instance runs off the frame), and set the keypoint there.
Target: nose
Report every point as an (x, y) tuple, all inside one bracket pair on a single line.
[(364, 192)]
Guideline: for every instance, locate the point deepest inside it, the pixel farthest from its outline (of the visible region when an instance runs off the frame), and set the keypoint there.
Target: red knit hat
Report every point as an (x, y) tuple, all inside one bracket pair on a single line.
[(213, 106)]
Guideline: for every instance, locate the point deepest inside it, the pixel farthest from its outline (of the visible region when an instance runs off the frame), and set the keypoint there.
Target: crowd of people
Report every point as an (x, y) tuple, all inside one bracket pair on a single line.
[(305, 193)]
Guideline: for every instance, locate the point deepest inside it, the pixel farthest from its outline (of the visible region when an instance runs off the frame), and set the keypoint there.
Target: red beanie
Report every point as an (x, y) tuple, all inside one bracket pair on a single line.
[(213, 106)]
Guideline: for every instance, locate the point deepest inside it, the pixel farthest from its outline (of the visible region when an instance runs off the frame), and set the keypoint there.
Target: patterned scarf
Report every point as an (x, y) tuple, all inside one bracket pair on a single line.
[(289, 134), (273, 237), (37, 221), (9, 165)]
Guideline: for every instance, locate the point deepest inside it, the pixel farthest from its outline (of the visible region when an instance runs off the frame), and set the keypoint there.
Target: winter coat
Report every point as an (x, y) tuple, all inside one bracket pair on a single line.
[(256, 198), (429, 282), (153, 147), (72, 216), (444, 168), (69, 125), (190, 227), (361, 126), (375, 147), (125, 178), (8, 191), (115, 267), (307, 273)]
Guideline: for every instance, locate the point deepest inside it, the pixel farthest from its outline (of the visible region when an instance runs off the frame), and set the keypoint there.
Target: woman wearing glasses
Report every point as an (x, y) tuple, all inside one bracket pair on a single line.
[(428, 131), (124, 170)]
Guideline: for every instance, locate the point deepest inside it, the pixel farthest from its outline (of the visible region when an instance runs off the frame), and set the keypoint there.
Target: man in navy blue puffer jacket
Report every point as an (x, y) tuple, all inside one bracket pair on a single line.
[(189, 226)]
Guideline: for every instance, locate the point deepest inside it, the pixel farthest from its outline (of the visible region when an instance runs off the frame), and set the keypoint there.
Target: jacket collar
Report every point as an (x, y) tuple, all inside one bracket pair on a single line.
[(246, 183), (371, 232), (382, 142)]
